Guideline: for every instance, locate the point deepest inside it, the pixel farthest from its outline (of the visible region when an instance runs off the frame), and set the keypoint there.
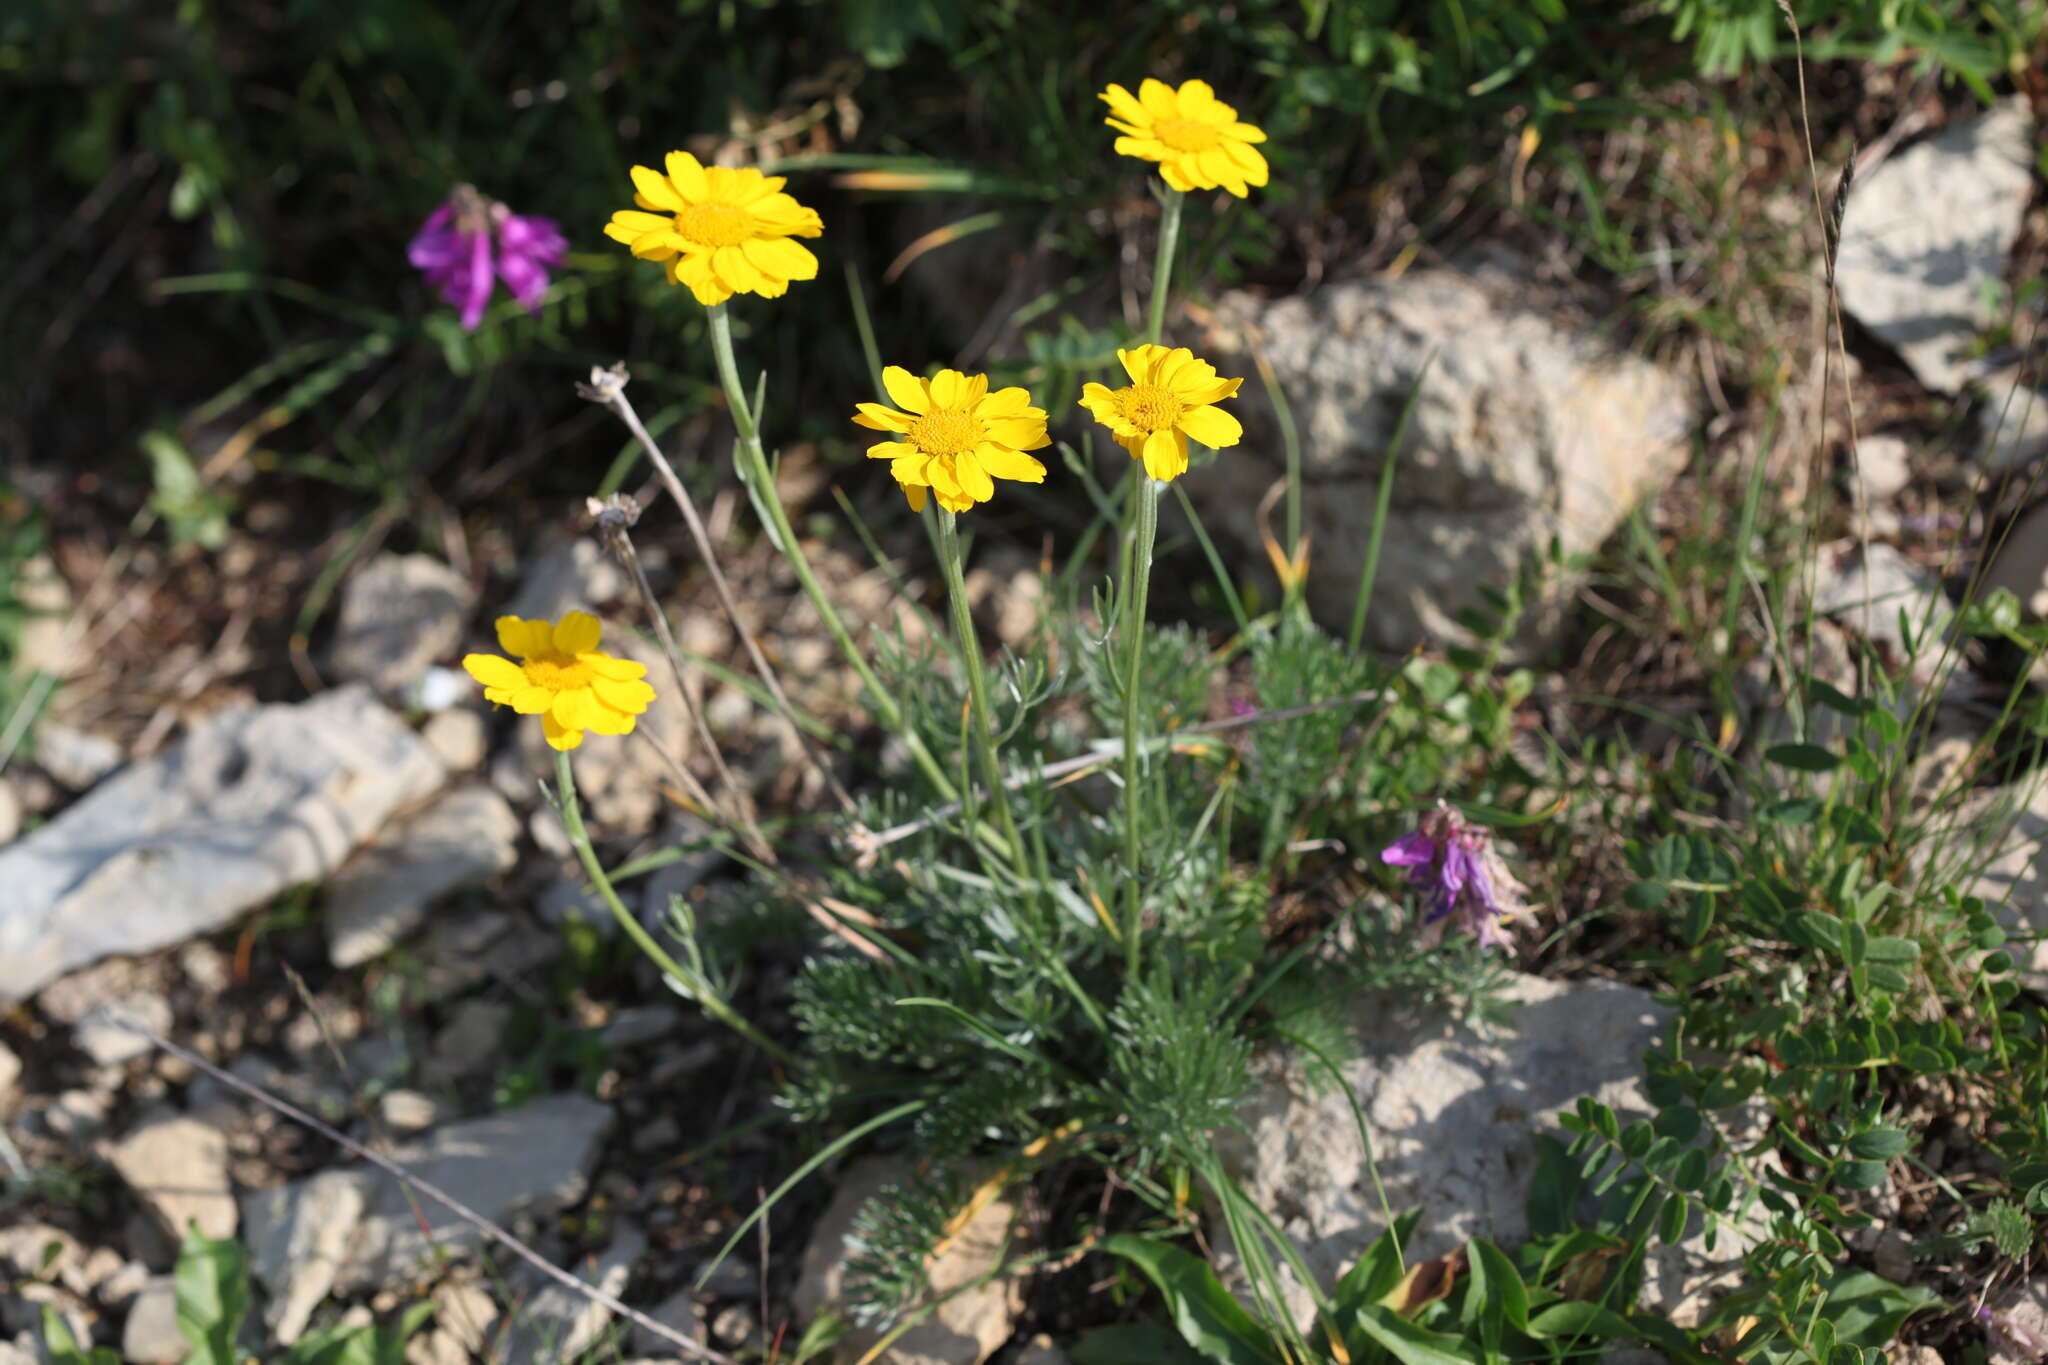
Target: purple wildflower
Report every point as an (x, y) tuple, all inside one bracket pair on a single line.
[(471, 241), (1472, 885)]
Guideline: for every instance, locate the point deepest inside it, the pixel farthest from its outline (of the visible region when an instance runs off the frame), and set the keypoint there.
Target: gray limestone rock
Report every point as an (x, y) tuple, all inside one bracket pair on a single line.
[(1528, 425), (1453, 1116), (1925, 232), (250, 803), (555, 1324), (299, 1237), (382, 894), (178, 1168), (399, 614)]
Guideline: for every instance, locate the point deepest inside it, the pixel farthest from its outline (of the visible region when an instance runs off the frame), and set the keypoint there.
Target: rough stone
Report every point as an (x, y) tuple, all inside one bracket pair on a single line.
[(1885, 464), (74, 759), (556, 1324), (468, 1043), (298, 1237), (1527, 426), (639, 1024), (10, 1075), (463, 1317), (1452, 1117), (104, 1034), (150, 1336), (1997, 846), (457, 737), (677, 1311), (967, 1327), (40, 1252), (529, 1161), (250, 803), (408, 1111), (2012, 423), (399, 614), (178, 1168), (463, 838), (2020, 565), (1928, 230), (10, 812), (574, 575), (1868, 588), (47, 642)]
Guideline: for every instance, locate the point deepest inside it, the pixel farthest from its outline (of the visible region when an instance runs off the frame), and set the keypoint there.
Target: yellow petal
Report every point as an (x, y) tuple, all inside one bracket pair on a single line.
[(657, 246), (1175, 174), (1143, 148), (875, 417), (1195, 99), (1244, 132), (532, 701), (1009, 464), (909, 469), (891, 450), (974, 480), (605, 721), (518, 637), (757, 186), (577, 633), (1250, 161), (493, 670), (735, 270), (605, 666), (695, 274), (1141, 363), (1217, 165), (638, 224), (686, 172), (1158, 99), (1011, 402), (977, 389), (949, 389), (906, 390), (1123, 104), (572, 708), (630, 697), (914, 494), (780, 258), (1019, 433), (720, 181), (1213, 427), (1166, 455), (558, 736), (655, 190)]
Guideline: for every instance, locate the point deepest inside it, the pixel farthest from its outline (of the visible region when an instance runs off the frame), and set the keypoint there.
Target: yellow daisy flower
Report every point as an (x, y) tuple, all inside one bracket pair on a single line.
[(957, 438), (563, 678), (1195, 137), (721, 231), (1168, 401)]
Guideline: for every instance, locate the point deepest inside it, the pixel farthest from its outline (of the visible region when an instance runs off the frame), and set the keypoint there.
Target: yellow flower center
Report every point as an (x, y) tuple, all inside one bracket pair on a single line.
[(557, 675), (1186, 134), (945, 431), (1149, 407), (715, 224)]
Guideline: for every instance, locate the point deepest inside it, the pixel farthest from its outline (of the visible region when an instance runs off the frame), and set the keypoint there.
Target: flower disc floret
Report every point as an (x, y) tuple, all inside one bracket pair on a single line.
[(721, 231), (1197, 139), (1171, 398), (562, 677), (955, 437)]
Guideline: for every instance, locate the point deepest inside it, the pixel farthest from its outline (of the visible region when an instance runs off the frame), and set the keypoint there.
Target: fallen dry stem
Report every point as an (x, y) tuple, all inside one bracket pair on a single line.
[(446, 1201)]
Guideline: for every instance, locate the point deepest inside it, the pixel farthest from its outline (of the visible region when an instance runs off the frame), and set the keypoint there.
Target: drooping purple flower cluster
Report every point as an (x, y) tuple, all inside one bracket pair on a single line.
[(1471, 884), (471, 241)]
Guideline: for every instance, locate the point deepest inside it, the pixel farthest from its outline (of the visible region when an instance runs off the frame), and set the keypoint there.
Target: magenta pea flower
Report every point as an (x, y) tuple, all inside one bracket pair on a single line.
[(1471, 883), (472, 241)]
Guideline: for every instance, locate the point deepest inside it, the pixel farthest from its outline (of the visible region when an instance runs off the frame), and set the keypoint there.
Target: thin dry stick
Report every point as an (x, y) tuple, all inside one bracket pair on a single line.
[(615, 520), (446, 1201), (609, 388)]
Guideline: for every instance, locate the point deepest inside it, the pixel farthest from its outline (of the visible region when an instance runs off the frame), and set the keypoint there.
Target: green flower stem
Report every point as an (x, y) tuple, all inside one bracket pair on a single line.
[(698, 988), (1143, 536), (1162, 266), (980, 725), (753, 468)]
